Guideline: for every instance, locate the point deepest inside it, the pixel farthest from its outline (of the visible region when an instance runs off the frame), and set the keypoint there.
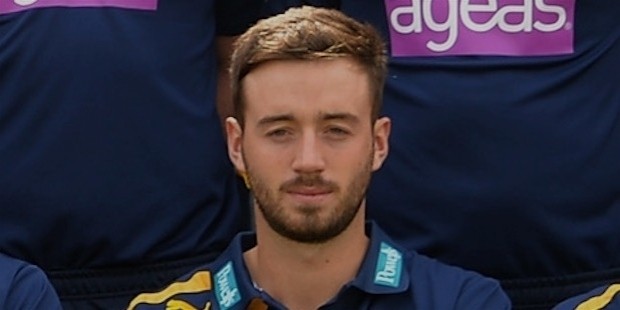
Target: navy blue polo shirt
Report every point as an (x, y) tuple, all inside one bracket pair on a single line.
[(390, 278), (111, 149), (114, 175), (24, 286)]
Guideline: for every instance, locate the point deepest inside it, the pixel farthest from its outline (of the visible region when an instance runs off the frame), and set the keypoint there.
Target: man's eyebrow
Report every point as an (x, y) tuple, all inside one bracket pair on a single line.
[(274, 119), (323, 116), (339, 116)]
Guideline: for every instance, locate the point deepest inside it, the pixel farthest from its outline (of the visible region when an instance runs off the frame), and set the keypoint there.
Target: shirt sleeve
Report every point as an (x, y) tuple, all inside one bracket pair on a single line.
[(605, 297), (30, 289)]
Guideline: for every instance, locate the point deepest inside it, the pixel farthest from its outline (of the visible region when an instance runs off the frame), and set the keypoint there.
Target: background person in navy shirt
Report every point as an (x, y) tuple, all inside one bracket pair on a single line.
[(307, 136), (24, 286), (114, 176)]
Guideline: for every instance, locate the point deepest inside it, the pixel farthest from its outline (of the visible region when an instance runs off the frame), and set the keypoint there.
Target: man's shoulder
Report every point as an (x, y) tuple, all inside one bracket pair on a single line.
[(605, 297), (9, 265), (221, 282), (192, 291), (453, 286), (25, 286), (15, 271), (429, 283)]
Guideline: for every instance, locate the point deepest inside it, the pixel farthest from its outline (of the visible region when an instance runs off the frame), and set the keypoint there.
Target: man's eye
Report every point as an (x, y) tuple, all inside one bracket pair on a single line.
[(278, 133), (337, 131)]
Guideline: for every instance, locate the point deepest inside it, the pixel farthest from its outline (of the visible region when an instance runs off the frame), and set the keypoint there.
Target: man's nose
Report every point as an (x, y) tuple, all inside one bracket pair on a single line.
[(309, 157)]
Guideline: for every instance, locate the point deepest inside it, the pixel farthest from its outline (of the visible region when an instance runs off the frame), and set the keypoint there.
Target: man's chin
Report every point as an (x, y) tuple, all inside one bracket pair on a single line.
[(309, 233)]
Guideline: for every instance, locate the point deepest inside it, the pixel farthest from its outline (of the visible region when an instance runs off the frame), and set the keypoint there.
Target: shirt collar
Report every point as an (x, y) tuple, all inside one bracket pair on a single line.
[(383, 271), (233, 287)]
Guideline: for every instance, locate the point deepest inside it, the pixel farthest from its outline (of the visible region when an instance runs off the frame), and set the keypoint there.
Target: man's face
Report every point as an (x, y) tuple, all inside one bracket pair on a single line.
[(308, 145)]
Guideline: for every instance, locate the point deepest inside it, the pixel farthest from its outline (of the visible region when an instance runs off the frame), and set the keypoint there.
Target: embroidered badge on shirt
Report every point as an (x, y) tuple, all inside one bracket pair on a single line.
[(389, 266), (226, 289)]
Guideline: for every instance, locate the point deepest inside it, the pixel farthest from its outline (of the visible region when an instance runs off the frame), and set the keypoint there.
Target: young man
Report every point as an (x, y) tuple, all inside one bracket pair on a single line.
[(114, 177), (506, 138), (24, 286), (307, 88)]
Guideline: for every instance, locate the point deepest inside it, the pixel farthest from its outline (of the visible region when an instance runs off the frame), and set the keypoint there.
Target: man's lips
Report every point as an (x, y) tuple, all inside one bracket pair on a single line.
[(309, 191)]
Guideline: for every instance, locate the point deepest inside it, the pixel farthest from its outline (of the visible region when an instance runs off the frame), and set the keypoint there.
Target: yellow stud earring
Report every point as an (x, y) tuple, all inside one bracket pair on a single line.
[(246, 178)]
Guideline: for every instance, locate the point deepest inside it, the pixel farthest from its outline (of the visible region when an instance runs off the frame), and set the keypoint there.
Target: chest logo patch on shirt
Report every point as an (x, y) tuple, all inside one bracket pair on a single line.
[(226, 289), (389, 266), (480, 27), (11, 6)]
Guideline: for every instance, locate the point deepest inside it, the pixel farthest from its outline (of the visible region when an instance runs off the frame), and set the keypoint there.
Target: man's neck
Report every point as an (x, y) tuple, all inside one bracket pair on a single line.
[(305, 276)]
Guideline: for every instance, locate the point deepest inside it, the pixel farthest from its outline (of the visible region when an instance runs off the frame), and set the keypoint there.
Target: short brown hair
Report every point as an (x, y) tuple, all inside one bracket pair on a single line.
[(309, 33)]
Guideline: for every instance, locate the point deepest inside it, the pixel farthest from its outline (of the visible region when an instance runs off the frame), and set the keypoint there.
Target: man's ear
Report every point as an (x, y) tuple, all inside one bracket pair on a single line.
[(234, 136), (381, 133)]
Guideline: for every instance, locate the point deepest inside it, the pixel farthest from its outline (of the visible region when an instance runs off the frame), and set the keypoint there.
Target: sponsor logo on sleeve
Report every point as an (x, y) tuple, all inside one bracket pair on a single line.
[(226, 289), (389, 266), (11, 6), (480, 27)]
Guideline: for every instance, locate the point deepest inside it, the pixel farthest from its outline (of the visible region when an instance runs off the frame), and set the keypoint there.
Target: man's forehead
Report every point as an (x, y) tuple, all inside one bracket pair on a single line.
[(306, 72), (324, 90)]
